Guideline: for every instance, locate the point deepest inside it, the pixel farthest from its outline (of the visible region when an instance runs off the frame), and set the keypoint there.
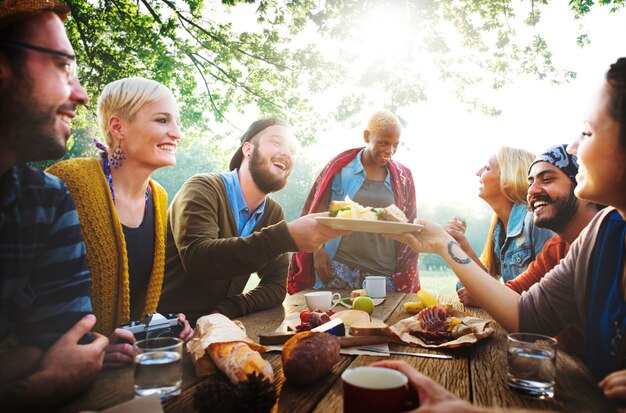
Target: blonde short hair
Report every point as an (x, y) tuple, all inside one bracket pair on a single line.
[(124, 98), (514, 164), (382, 120)]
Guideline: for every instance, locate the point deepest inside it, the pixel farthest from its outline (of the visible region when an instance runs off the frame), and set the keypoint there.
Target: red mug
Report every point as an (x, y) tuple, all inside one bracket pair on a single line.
[(374, 389)]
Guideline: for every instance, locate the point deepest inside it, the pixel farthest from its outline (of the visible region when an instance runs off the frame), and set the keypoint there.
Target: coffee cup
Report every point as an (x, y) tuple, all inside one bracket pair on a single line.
[(374, 389), (321, 300), (375, 286)]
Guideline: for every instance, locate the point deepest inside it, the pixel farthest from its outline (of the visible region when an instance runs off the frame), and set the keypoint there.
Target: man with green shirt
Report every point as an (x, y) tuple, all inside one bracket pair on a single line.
[(223, 227)]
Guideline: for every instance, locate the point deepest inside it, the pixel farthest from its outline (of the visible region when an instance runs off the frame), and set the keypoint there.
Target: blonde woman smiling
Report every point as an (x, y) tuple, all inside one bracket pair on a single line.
[(122, 211), (513, 240)]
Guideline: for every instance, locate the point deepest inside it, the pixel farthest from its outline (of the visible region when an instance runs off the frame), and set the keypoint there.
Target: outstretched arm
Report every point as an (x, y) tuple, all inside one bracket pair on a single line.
[(456, 228), (499, 301)]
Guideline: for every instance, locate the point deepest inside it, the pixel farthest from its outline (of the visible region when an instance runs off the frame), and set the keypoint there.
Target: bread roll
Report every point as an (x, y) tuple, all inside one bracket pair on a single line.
[(308, 356), (237, 360)]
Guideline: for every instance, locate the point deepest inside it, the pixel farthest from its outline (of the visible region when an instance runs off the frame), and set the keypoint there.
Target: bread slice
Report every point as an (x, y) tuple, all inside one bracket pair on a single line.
[(372, 328), (393, 213), (350, 317), (358, 293)]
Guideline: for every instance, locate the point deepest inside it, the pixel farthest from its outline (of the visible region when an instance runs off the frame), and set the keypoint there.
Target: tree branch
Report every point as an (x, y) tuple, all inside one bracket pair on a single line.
[(223, 42)]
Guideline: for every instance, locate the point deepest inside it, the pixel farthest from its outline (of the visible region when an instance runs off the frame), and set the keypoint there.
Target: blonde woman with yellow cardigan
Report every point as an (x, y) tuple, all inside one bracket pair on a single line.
[(122, 211)]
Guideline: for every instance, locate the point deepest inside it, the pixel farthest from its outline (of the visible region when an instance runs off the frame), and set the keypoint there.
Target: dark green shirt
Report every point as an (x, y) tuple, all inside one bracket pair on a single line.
[(207, 265)]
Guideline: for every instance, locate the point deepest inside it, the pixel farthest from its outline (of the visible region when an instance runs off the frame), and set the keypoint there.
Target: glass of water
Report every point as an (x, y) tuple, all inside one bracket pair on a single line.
[(532, 364), (158, 366)]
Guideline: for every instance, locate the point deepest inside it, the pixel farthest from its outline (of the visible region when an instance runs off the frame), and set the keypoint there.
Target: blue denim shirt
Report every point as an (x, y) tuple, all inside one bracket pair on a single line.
[(348, 181), (521, 245), (246, 221)]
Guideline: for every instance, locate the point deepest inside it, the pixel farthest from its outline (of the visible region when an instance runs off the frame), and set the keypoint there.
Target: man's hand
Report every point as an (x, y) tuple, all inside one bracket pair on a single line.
[(466, 298), (322, 265), (18, 363), (309, 235), (120, 351), (67, 367), (432, 397)]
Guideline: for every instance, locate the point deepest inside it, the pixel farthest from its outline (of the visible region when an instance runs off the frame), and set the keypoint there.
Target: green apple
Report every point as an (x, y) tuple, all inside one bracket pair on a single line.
[(364, 304)]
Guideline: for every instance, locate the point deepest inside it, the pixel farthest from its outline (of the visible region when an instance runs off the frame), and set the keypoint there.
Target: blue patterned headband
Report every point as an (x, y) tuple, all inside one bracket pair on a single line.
[(558, 156)]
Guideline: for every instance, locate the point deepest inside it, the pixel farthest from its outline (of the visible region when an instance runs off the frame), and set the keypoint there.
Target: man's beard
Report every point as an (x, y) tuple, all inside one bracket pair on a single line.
[(27, 128), (564, 211), (262, 177)]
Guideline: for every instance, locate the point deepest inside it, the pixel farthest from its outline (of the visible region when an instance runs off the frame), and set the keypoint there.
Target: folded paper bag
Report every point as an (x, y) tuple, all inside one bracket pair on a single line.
[(212, 330)]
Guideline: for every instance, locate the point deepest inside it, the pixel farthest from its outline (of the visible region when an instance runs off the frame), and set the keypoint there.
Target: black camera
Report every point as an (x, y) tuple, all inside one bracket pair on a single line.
[(154, 325)]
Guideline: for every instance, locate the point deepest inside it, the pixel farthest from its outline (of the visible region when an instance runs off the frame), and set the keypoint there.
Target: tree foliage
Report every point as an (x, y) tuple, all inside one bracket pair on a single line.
[(215, 66)]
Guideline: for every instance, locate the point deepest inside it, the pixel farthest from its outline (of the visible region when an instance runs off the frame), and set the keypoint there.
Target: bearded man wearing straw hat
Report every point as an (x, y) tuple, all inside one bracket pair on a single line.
[(47, 353)]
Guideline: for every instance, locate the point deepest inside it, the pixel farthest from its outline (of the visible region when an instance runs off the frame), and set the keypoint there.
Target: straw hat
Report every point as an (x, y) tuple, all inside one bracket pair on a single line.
[(14, 10)]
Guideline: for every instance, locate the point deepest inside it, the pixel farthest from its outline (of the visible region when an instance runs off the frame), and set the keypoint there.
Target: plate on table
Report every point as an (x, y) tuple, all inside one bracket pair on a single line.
[(361, 225), (343, 301)]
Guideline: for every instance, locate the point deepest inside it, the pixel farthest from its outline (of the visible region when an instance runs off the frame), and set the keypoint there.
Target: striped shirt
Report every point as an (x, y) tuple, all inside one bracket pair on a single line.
[(44, 279)]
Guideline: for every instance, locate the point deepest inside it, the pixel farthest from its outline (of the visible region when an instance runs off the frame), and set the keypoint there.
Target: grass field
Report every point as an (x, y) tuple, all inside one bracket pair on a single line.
[(436, 282)]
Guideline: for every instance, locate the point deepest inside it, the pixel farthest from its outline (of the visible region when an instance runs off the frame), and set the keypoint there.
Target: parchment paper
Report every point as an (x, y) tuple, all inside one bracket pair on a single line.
[(481, 327)]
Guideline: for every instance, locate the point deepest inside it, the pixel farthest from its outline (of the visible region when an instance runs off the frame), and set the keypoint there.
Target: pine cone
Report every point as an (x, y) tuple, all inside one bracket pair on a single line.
[(256, 395), (215, 394)]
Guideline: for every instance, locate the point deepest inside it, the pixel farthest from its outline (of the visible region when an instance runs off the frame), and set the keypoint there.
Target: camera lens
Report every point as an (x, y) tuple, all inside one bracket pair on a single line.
[(165, 332)]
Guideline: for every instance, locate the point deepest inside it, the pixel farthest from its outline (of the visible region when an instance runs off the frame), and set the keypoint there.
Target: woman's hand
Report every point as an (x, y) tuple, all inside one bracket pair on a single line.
[(614, 387), (466, 298), (432, 238), (456, 227), (432, 397), (187, 333), (120, 350), (322, 265)]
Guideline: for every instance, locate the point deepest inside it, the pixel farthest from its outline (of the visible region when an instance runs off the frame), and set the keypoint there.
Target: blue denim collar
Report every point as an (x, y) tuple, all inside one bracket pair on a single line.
[(246, 219), (516, 220), (358, 169)]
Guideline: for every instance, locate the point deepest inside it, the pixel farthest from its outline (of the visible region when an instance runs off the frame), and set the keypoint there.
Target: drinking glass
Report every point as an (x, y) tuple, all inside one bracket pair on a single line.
[(532, 364), (158, 366)]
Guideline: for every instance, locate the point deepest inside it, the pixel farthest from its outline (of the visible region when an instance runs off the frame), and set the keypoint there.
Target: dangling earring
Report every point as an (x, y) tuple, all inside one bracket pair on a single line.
[(117, 156)]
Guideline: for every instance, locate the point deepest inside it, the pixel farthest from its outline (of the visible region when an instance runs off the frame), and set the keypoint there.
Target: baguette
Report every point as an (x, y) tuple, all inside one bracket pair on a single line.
[(237, 360)]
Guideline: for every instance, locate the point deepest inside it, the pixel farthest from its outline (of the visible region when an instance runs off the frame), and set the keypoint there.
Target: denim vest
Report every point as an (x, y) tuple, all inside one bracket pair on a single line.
[(522, 243), (348, 181)]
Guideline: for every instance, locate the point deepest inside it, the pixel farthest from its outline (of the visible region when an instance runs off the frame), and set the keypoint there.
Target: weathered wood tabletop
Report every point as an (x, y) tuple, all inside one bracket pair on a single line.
[(477, 373)]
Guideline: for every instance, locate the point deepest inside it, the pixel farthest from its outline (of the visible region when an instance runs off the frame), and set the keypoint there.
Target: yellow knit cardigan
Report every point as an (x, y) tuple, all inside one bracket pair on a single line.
[(106, 247)]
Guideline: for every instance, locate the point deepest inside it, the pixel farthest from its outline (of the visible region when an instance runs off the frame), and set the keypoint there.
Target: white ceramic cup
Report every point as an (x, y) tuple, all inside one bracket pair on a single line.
[(321, 300), (375, 286)]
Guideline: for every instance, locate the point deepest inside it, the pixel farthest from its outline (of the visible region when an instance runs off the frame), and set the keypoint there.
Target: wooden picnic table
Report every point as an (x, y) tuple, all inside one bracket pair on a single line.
[(477, 374)]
